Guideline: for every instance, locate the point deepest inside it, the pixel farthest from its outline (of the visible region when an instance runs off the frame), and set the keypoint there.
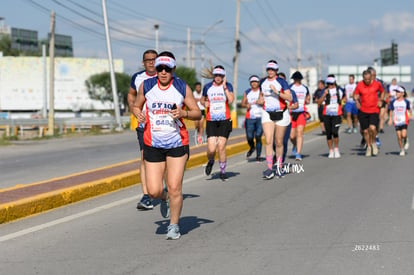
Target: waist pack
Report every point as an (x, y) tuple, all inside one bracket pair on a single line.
[(275, 116), (295, 115)]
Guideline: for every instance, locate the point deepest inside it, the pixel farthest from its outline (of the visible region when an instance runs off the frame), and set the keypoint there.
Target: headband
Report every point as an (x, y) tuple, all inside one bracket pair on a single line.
[(219, 71), (254, 78), (165, 60), (272, 65), (330, 80)]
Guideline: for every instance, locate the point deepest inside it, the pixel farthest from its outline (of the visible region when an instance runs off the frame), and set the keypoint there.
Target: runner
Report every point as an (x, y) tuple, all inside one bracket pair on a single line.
[(401, 110), (332, 113), (148, 61), (199, 124), (368, 105), (315, 98), (217, 95), (166, 146), (350, 108), (253, 122), (298, 115), (274, 95)]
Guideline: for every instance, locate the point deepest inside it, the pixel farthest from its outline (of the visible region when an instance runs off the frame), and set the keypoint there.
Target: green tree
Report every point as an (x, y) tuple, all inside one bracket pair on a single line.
[(188, 75), (5, 46), (99, 87)]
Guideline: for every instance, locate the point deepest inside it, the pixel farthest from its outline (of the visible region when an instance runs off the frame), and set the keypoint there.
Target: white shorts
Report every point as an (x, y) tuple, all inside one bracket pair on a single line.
[(285, 121)]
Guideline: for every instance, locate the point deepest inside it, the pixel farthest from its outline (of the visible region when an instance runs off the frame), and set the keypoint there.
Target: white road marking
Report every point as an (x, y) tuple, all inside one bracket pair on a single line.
[(104, 207)]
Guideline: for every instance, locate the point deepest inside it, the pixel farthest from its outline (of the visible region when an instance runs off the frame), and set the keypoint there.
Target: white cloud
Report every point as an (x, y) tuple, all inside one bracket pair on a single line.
[(396, 22)]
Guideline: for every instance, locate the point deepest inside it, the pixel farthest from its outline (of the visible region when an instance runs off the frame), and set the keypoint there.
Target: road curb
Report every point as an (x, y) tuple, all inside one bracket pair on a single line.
[(47, 201)]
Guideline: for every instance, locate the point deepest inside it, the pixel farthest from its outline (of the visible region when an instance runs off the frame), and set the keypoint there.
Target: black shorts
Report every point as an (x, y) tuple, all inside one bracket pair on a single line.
[(140, 137), (221, 128), (203, 113), (367, 119), (153, 154), (401, 127)]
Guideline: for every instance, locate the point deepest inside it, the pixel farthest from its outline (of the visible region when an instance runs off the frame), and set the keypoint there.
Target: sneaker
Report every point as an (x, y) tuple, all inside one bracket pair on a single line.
[(258, 159), (145, 203), (323, 133), (374, 149), (173, 232), (402, 153), (165, 207), (377, 141), (337, 154), (348, 131), (294, 151), (363, 144), (355, 130), (223, 177), (331, 154), (298, 157), (280, 173), (209, 167), (268, 174), (381, 131), (250, 152), (406, 144), (368, 153)]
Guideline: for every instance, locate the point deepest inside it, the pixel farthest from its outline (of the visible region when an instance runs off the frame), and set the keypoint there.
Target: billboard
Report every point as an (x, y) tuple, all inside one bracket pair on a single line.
[(24, 40), (21, 83)]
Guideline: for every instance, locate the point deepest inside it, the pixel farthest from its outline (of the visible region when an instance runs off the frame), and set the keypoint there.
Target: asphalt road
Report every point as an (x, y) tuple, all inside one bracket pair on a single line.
[(337, 216)]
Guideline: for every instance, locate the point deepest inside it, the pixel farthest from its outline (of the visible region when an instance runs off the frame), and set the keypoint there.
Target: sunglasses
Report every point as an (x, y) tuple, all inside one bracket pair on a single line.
[(163, 68)]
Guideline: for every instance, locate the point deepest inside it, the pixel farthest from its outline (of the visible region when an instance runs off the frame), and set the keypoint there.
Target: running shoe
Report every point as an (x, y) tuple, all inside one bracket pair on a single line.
[(145, 203), (280, 173), (209, 167), (258, 159), (337, 154), (374, 149), (223, 177), (377, 141), (294, 150), (331, 154), (406, 144), (402, 153), (355, 130), (381, 131), (268, 174), (165, 206), (363, 144), (173, 232), (250, 152), (368, 153), (348, 131), (298, 157)]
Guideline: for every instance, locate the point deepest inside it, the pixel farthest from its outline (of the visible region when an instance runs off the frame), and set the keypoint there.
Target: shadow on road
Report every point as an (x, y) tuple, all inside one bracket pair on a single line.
[(186, 224)]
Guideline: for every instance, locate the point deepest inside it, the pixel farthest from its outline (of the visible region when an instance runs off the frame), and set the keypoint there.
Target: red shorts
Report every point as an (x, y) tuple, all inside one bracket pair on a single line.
[(301, 120)]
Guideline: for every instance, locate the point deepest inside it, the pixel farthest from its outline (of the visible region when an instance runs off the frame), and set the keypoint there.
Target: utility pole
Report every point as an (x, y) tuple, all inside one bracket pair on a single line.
[(298, 54), (44, 87), (237, 49), (156, 27), (51, 117), (188, 47), (111, 69)]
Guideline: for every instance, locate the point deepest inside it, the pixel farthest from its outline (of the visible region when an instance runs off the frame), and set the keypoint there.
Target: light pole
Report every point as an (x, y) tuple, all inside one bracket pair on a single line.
[(156, 27), (202, 44)]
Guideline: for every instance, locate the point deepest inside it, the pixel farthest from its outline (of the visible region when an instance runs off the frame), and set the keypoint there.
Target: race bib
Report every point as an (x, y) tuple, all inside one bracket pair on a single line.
[(256, 112), (163, 123), (218, 108), (332, 108)]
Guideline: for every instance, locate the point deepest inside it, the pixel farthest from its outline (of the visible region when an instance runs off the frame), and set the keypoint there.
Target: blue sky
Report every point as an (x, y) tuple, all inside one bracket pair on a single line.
[(340, 32)]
